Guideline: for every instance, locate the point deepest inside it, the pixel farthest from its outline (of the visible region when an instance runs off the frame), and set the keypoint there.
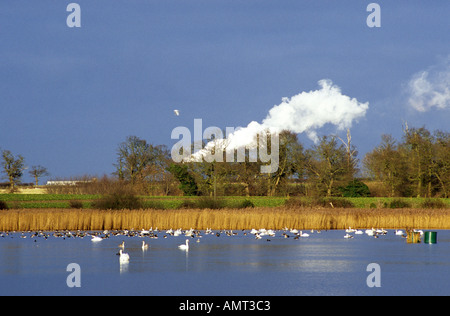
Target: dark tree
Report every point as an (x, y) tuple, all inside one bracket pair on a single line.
[(187, 181), (13, 168), (326, 164), (135, 155), (38, 172)]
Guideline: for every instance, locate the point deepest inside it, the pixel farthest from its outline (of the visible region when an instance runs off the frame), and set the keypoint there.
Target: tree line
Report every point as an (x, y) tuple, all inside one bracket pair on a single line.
[(417, 165)]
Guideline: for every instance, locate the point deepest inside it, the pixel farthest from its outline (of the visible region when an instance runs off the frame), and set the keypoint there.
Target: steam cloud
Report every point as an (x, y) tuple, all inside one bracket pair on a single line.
[(309, 111), (303, 113), (431, 88)]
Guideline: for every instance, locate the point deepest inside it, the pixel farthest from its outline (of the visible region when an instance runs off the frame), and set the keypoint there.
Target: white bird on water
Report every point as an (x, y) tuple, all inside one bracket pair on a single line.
[(304, 235), (123, 257), (96, 238), (177, 112), (144, 245), (184, 246), (370, 232)]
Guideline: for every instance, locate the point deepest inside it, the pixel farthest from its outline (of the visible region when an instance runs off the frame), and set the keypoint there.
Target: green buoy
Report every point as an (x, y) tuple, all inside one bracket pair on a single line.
[(430, 237)]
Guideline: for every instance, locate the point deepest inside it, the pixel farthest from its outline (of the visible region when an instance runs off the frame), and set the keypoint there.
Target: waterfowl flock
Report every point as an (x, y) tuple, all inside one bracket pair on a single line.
[(267, 234), (153, 233), (375, 233)]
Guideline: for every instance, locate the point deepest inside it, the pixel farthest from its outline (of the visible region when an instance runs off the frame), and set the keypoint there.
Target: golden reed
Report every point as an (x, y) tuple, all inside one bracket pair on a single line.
[(235, 219)]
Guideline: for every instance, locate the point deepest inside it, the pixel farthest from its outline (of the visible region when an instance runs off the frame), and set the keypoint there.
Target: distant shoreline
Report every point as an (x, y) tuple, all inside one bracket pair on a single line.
[(231, 219)]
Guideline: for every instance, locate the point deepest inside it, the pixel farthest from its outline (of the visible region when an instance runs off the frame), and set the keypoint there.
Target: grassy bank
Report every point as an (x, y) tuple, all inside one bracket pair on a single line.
[(236, 219), (32, 201)]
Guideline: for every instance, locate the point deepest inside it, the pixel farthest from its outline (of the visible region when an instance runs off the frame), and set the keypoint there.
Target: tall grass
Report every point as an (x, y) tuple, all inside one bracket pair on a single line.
[(258, 217)]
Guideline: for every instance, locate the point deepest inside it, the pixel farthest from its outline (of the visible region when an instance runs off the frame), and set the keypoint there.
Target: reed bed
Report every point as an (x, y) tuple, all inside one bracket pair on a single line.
[(235, 219)]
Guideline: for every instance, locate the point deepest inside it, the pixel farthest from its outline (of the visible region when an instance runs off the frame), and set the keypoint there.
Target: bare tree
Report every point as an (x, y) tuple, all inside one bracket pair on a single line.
[(38, 172), (13, 167), (441, 161), (135, 155), (419, 143), (352, 161), (291, 159), (326, 163), (388, 163)]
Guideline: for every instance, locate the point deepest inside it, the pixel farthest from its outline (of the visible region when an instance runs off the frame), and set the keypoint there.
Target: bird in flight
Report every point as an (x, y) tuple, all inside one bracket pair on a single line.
[(177, 113)]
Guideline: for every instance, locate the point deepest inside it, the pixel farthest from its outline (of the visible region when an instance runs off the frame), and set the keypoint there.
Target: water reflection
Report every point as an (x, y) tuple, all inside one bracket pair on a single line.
[(187, 260), (123, 266), (11, 263)]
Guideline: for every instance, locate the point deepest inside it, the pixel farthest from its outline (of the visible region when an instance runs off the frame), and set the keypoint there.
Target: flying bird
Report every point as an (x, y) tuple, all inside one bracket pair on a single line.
[(177, 113)]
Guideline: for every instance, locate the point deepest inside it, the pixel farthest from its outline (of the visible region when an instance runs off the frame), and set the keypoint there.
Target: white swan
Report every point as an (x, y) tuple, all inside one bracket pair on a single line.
[(381, 231), (184, 246), (177, 232), (398, 232), (123, 257), (96, 238), (370, 232), (302, 234), (144, 245), (359, 232), (347, 236)]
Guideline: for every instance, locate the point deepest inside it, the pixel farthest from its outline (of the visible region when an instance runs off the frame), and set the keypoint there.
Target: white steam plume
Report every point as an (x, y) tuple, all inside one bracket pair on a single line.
[(303, 113), (431, 88), (309, 111)]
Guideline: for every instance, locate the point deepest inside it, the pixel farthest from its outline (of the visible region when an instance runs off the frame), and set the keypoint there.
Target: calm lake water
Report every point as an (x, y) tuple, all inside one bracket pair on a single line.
[(323, 264)]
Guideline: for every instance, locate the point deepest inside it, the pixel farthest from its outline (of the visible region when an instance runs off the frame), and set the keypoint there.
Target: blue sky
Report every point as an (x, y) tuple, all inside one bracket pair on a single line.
[(69, 96)]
